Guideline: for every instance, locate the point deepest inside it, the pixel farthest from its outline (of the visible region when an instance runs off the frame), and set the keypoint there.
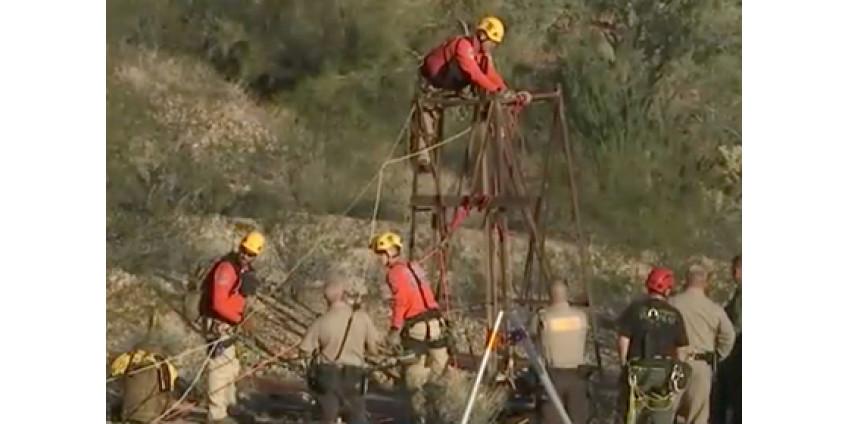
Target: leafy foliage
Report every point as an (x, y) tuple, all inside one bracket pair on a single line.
[(264, 107)]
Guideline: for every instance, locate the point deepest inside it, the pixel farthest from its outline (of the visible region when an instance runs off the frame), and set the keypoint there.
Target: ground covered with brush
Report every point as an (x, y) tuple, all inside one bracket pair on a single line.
[(229, 115)]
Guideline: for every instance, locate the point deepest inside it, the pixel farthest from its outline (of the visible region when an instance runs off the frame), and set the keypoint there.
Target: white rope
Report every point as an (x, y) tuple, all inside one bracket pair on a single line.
[(400, 159), (193, 383), (299, 262), (158, 363)]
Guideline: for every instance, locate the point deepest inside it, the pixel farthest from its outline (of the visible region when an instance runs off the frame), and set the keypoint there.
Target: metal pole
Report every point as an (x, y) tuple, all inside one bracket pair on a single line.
[(489, 347), (575, 204), (541, 371)]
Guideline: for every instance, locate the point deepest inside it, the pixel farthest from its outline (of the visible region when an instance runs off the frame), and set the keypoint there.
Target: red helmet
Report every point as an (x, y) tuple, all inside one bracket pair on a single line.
[(660, 280)]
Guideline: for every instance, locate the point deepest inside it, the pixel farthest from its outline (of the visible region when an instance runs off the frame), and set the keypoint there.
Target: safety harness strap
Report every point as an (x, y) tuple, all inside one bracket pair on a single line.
[(344, 338), (429, 314), (653, 384)]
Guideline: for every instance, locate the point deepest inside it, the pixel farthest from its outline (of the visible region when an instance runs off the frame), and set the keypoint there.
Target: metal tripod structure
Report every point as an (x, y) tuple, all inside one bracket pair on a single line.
[(491, 169)]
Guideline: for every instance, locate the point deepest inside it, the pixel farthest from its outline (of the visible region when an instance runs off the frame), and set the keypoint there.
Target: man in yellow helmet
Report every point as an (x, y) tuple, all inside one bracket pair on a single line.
[(231, 281), (417, 324), (454, 65)]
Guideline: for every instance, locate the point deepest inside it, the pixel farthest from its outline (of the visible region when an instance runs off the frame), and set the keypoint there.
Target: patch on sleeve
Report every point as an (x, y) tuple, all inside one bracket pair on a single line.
[(566, 324)]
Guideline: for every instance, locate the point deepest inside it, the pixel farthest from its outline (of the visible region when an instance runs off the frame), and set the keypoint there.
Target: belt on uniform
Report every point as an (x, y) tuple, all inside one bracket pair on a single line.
[(583, 371), (710, 358), (705, 356)]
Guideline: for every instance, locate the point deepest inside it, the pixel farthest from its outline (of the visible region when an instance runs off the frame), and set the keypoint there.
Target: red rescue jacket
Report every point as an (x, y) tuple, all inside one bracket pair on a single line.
[(226, 301), (461, 61), (406, 296)]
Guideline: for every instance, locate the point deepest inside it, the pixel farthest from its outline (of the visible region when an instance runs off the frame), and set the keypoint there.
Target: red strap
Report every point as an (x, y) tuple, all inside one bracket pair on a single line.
[(458, 217)]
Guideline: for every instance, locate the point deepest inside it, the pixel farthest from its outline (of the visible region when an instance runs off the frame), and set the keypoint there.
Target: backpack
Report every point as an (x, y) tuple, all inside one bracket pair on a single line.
[(147, 393), (196, 300)]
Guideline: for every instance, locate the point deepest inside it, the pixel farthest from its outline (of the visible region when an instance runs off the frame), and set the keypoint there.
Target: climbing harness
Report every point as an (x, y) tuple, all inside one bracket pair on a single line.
[(431, 313), (653, 384)]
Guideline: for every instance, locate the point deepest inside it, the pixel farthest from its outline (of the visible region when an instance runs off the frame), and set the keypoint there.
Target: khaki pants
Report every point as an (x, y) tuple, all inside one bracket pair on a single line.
[(695, 402), (221, 388), (424, 125), (429, 368)]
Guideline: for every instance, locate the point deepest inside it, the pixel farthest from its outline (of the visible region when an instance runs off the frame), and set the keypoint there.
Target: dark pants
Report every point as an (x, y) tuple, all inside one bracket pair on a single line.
[(341, 395), (728, 390), (572, 389), (650, 380)]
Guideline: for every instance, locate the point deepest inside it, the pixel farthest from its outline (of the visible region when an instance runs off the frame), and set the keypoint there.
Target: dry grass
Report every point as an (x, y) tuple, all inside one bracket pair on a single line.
[(189, 97), (446, 401)]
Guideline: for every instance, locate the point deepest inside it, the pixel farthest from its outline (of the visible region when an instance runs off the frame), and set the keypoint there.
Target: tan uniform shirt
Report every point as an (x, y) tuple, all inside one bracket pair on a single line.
[(561, 332), (707, 325), (326, 333)]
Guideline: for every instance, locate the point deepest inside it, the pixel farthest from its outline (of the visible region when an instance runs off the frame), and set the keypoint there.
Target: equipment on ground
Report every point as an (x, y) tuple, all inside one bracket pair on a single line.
[(521, 337)]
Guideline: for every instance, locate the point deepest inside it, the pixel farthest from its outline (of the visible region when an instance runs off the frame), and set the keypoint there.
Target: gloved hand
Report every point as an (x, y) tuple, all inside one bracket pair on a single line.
[(524, 97), (247, 325), (393, 339), (249, 283)]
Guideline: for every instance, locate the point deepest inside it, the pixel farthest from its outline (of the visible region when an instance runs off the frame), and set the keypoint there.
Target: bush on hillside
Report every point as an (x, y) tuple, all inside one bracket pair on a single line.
[(261, 108)]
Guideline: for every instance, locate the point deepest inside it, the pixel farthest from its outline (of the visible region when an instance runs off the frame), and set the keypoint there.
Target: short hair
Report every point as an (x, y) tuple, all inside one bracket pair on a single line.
[(334, 289), (737, 261), (698, 271), (558, 289)]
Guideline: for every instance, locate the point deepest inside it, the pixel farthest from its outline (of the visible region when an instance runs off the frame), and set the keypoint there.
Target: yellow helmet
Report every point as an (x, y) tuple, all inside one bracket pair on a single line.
[(140, 358), (383, 242), (493, 27), (253, 243)]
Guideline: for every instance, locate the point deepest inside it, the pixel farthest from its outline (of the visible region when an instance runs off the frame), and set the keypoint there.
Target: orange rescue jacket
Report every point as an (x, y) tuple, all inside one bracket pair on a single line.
[(408, 299), (461, 61), (227, 302)]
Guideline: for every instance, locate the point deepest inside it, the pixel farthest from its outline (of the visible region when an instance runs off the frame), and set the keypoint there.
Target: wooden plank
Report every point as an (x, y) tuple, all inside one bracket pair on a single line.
[(421, 201), (454, 101), (582, 303)]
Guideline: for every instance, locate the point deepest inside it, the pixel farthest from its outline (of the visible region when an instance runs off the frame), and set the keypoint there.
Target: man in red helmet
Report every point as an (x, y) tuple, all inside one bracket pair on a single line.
[(652, 343)]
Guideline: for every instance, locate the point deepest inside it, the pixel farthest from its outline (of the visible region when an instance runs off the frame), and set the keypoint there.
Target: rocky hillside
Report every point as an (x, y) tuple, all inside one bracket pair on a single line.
[(217, 124)]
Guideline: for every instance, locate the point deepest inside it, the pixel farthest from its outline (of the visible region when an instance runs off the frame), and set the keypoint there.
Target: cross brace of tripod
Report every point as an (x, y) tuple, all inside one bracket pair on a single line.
[(495, 173)]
